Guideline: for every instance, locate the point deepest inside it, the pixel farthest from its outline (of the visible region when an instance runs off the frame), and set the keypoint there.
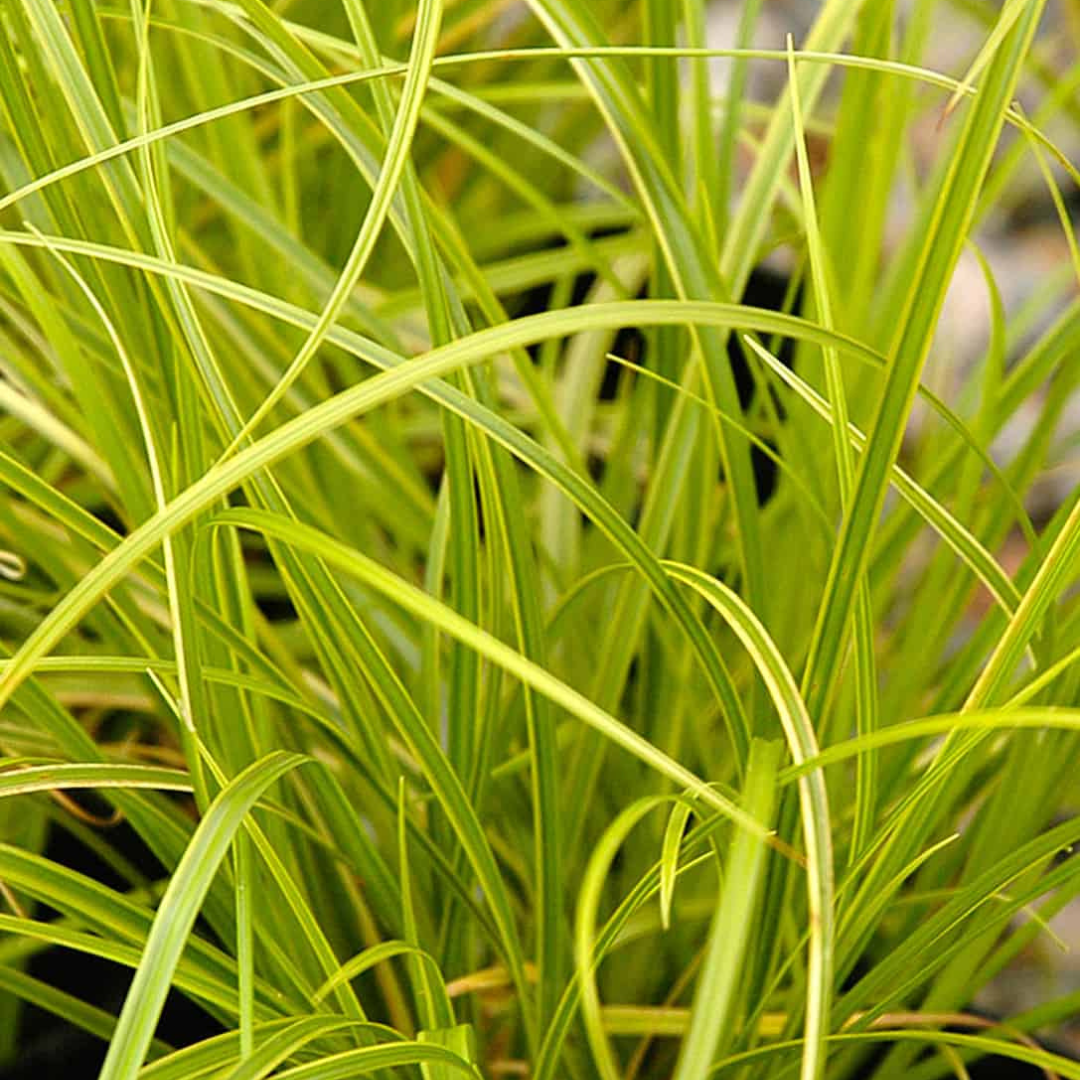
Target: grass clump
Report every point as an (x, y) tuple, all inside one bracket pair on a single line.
[(509, 645)]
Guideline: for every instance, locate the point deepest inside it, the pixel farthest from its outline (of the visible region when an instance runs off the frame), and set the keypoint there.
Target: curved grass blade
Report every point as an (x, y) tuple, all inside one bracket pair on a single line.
[(865, 666), (179, 908), (423, 50), (945, 232), (732, 933), (384, 387), (586, 954), (284, 1044), (415, 600), (370, 1059), (669, 857), (813, 799), (315, 86), (222, 1051), (967, 547), (25, 781)]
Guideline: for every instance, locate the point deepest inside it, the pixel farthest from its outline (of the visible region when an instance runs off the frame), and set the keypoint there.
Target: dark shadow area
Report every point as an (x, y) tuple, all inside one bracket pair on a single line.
[(53, 1048)]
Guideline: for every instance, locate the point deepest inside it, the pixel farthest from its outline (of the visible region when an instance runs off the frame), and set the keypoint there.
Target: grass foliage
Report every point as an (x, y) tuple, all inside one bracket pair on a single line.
[(382, 542)]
